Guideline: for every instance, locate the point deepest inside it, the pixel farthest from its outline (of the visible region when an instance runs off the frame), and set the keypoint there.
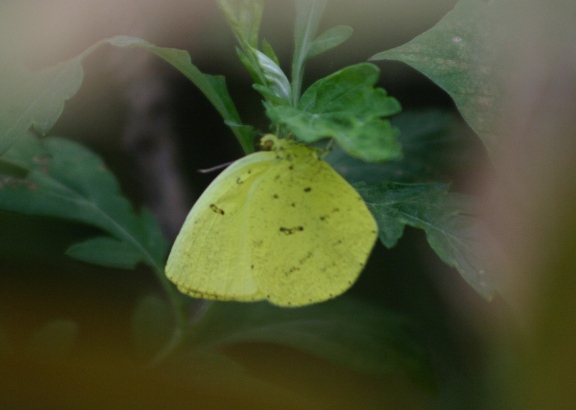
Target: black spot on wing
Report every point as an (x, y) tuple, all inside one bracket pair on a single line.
[(217, 210), (290, 231)]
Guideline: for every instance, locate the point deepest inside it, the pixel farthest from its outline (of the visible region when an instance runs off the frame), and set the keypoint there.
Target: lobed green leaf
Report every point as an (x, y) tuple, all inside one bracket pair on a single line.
[(434, 146), (444, 217), (68, 181), (346, 107)]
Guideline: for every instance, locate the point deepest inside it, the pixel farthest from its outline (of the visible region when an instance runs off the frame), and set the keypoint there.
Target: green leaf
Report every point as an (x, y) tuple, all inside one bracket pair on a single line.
[(308, 13), (271, 98), (34, 98), (275, 78), (362, 337), (463, 54), (53, 340), (106, 251), (68, 181), (329, 39), (252, 68), (350, 89), (434, 147), (269, 52), (444, 217), (152, 325), (213, 87), (346, 106), (244, 17)]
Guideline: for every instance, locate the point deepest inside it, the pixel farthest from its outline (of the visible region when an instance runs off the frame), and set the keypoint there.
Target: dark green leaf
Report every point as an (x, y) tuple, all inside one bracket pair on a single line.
[(356, 335), (445, 218), (152, 325), (347, 107), (106, 251), (249, 64), (213, 87), (52, 340), (434, 146), (329, 39), (463, 54), (67, 181)]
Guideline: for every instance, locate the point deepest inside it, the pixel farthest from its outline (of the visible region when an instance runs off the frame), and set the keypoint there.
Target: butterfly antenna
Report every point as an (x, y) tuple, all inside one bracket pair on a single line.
[(216, 168)]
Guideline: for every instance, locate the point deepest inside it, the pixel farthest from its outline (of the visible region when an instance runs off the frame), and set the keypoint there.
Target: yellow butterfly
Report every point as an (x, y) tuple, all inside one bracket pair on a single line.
[(280, 225)]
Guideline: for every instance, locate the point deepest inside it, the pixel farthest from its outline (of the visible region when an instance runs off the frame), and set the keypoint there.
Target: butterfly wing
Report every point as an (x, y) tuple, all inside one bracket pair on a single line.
[(210, 257), (310, 233)]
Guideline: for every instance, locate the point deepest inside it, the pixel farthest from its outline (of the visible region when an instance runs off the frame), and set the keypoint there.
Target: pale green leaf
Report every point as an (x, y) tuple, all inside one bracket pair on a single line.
[(34, 99), (244, 17), (275, 78), (269, 52), (331, 38), (308, 13)]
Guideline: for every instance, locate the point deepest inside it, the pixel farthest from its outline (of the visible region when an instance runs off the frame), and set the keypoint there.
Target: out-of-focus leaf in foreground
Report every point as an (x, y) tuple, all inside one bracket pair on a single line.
[(357, 335)]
